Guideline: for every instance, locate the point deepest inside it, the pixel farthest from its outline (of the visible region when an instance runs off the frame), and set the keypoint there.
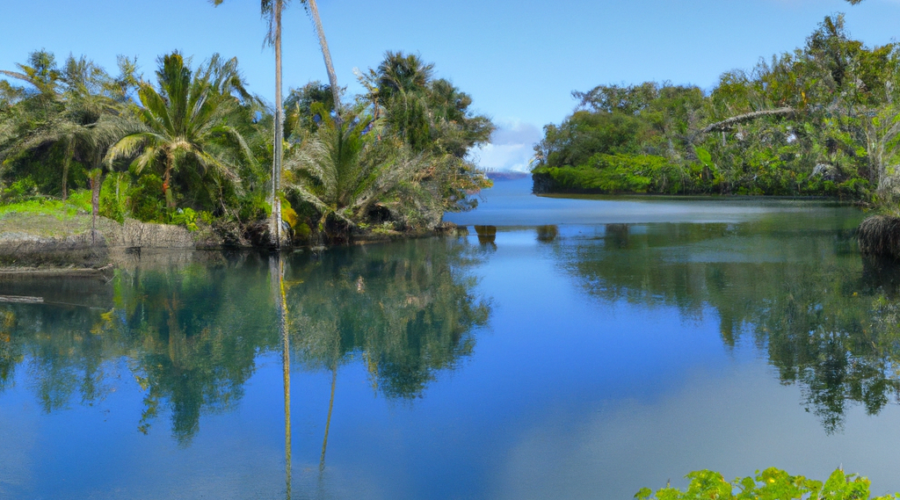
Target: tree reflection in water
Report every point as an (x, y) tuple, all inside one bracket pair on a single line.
[(191, 328), (827, 319)]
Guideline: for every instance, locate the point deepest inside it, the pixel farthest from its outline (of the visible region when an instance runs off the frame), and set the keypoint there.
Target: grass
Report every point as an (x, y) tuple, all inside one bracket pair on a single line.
[(79, 203)]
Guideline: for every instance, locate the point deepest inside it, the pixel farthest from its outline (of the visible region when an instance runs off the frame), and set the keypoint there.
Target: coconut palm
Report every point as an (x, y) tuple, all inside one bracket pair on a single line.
[(271, 12), (186, 123), (74, 108), (313, 9)]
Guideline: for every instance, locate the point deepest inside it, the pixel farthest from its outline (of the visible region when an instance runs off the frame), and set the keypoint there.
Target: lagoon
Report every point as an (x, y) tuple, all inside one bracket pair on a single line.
[(579, 348)]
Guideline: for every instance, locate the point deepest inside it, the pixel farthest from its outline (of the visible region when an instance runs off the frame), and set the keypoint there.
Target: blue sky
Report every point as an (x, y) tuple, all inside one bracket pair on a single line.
[(519, 60)]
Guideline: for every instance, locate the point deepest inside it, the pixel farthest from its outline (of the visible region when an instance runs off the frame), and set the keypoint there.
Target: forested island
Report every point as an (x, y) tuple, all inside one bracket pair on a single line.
[(818, 121)]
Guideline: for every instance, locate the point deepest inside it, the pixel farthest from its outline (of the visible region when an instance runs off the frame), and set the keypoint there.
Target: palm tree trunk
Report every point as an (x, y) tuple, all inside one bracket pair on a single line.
[(279, 132), (167, 181), (328, 420), (332, 76), (277, 271)]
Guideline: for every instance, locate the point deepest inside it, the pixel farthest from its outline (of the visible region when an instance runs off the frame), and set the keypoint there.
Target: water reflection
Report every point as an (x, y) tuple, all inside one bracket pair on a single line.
[(487, 235), (190, 329), (826, 318), (407, 311), (547, 234)]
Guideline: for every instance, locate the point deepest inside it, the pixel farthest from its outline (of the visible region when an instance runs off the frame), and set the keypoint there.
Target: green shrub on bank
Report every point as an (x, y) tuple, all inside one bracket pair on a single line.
[(770, 484), (626, 173)]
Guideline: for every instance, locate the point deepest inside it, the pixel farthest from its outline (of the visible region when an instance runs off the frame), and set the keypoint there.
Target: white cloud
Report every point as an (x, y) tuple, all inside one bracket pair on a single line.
[(511, 148)]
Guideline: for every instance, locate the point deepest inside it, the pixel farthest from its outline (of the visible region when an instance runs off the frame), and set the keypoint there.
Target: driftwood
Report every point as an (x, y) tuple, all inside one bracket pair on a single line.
[(15, 299), (725, 125)]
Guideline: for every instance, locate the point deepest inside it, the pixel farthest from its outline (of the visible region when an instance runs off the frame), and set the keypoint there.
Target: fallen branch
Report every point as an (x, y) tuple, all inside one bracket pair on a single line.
[(15, 299), (725, 125)]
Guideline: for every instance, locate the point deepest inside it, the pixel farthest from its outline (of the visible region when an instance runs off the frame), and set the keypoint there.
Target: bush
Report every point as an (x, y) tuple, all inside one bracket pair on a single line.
[(771, 484), (625, 173), (186, 217), (147, 202), (114, 197)]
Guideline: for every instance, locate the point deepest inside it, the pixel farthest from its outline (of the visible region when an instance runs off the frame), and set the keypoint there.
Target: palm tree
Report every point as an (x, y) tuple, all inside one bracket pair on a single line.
[(186, 123), (83, 119), (344, 169), (326, 54), (271, 12)]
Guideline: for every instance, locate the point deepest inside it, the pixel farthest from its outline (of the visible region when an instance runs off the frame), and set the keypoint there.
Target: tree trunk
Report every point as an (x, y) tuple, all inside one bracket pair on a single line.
[(167, 182), (276, 270), (725, 125), (279, 133), (70, 150), (332, 76), (96, 182)]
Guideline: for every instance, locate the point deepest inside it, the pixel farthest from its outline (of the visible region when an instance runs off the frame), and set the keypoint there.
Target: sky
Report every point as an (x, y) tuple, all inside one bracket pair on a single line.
[(519, 60)]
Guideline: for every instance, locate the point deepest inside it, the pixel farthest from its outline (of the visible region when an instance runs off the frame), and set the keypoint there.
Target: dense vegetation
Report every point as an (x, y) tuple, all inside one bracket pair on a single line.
[(821, 120), (192, 145)]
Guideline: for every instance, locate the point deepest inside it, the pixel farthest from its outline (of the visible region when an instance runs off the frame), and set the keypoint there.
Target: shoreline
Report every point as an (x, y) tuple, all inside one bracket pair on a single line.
[(31, 248)]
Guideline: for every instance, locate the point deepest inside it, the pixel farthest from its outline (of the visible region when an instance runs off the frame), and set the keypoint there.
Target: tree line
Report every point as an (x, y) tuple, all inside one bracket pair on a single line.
[(820, 120), (192, 145)]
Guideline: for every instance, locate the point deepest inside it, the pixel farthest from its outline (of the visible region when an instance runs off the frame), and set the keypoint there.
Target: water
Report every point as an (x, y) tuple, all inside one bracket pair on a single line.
[(579, 360)]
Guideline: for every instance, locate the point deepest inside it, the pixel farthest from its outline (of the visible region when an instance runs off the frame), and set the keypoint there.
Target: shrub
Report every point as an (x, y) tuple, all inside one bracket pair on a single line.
[(770, 484)]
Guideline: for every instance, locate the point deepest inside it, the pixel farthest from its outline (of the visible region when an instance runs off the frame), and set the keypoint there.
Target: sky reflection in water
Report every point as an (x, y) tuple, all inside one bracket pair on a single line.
[(581, 360)]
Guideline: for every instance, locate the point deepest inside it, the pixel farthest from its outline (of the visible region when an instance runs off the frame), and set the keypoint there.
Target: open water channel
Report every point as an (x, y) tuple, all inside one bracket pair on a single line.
[(579, 348)]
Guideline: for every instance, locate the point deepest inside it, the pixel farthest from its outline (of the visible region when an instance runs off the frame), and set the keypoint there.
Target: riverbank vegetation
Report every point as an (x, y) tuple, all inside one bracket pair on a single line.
[(821, 120), (191, 145)]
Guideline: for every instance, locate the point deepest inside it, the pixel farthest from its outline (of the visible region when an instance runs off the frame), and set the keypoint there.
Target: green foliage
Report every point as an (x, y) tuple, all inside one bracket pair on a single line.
[(20, 189), (831, 128), (114, 197), (78, 203), (185, 217), (194, 138), (770, 484), (254, 207), (146, 199)]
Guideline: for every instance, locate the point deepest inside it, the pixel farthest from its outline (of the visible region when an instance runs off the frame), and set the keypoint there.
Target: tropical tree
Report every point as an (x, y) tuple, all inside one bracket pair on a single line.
[(272, 11), (313, 9), (184, 126), (344, 168), (83, 120)]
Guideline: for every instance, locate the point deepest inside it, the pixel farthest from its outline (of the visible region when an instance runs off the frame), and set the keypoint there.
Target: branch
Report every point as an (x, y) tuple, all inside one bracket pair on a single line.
[(725, 125)]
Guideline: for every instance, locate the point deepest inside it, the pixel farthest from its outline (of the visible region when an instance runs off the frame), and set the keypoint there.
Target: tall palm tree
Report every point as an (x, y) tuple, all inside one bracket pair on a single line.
[(185, 122), (271, 12), (326, 53)]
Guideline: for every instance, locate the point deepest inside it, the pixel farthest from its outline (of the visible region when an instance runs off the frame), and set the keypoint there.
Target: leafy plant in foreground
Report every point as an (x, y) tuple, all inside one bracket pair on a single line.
[(770, 484)]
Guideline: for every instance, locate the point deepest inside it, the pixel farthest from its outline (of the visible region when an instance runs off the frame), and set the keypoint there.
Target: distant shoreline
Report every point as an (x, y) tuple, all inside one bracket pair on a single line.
[(507, 176)]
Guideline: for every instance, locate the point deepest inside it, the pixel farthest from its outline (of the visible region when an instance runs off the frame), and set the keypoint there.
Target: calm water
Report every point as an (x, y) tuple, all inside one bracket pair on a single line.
[(582, 349)]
